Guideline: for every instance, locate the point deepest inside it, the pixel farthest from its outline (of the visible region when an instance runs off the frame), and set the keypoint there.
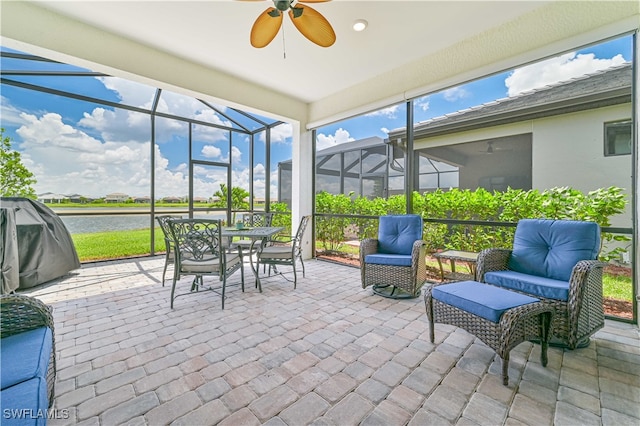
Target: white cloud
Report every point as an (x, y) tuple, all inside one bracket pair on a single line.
[(326, 141), (388, 112), (561, 68), (422, 103), (279, 134), (66, 160), (9, 113), (127, 126), (210, 151), (49, 132), (129, 92), (259, 171), (236, 155), (454, 94), (384, 130)]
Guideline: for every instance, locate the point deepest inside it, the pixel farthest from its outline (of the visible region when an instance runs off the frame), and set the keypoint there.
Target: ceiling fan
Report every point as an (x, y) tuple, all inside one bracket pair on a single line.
[(491, 149), (308, 21)]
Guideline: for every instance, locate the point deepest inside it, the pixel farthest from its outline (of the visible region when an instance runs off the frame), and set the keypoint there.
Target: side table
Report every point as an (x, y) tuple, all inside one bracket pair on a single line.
[(457, 256)]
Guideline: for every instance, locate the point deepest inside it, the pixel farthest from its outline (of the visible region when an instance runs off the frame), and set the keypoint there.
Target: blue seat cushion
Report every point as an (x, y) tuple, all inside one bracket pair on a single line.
[(24, 356), (551, 248), (530, 284), (397, 233), (25, 403), (389, 259), (483, 300)]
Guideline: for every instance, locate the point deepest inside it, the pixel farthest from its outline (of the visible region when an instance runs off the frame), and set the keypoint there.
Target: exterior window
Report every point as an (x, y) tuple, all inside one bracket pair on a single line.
[(617, 138)]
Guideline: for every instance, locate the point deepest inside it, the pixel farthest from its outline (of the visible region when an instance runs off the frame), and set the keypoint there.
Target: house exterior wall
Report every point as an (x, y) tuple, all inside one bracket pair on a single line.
[(499, 164), (568, 150)]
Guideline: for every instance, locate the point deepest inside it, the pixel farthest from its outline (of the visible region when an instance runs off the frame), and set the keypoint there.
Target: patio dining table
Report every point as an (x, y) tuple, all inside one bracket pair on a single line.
[(259, 236)]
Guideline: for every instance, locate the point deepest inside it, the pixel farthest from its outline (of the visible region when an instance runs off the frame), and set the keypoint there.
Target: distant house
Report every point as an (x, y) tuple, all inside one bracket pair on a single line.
[(172, 200), (78, 198), (200, 200), (50, 197), (142, 200), (116, 197)]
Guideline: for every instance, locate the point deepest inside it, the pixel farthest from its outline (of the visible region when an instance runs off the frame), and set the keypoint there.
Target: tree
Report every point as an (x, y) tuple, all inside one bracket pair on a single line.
[(15, 179), (238, 196)]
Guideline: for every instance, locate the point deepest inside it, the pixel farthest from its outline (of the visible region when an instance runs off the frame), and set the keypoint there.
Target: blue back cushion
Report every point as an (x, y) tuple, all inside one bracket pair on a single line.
[(551, 248), (397, 233)]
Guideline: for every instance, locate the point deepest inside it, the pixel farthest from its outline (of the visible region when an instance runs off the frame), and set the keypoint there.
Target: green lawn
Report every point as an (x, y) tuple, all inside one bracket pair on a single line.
[(113, 245)]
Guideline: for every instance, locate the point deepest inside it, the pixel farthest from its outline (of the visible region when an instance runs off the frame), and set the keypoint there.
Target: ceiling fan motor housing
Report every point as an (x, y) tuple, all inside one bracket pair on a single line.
[(282, 5)]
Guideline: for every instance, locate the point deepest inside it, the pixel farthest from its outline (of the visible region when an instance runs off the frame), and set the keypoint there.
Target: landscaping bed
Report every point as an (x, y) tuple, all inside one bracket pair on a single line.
[(612, 307)]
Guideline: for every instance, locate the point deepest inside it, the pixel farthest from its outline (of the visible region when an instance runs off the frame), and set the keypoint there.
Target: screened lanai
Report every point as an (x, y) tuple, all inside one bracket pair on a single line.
[(176, 55), (156, 144)]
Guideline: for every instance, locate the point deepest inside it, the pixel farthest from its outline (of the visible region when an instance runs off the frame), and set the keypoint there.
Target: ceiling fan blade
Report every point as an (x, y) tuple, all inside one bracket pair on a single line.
[(266, 27), (312, 25)]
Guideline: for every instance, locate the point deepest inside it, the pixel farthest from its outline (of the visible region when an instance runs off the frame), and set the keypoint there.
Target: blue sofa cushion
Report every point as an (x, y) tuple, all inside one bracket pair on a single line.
[(389, 259), (483, 300), (25, 403), (397, 233), (530, 284), (24, 356), (551, 248)]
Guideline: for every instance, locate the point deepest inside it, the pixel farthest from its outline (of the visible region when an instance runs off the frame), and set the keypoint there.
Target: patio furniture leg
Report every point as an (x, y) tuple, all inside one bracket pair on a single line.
[(224, 285), (164, 270), (505, 369), (295, 277)]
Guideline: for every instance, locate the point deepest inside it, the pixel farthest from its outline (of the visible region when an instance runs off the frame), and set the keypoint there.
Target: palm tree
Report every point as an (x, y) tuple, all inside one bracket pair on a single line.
[(238, 196)]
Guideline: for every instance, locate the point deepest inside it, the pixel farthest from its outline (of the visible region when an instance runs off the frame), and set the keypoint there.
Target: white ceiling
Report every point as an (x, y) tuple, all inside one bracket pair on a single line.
[(216, 35)]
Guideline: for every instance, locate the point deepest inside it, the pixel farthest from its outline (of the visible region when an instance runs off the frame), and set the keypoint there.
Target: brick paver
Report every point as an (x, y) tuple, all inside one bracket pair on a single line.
[(327, 353)]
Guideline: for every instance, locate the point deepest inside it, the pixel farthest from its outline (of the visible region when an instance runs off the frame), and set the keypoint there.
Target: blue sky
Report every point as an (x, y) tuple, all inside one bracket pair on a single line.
[(509, 83), (81, 147)]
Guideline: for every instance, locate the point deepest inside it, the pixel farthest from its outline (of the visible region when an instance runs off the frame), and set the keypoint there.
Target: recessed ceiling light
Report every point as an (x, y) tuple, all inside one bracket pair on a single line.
[(360, 25)]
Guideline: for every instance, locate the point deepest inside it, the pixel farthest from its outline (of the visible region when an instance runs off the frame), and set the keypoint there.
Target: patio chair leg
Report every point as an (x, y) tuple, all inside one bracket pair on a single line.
[(544, 319), (302, 261), (242, 274), (295, 277), (224, 284), (505, 369), (164, 270), (173, 291)]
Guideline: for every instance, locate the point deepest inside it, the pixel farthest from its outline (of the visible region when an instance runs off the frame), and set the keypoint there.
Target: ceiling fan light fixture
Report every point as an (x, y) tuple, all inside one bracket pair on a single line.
[(360, 25)]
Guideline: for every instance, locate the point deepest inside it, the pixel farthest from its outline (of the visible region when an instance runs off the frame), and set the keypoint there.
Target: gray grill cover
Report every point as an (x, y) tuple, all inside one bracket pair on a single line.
[(44, 245)]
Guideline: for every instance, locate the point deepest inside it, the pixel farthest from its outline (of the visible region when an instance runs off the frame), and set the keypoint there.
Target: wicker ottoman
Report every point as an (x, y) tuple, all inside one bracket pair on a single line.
[(502, 319)]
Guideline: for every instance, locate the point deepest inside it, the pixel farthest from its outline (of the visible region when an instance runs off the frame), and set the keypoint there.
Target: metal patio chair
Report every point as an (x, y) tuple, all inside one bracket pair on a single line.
[(285, 251), (199, 251), (163, 221)]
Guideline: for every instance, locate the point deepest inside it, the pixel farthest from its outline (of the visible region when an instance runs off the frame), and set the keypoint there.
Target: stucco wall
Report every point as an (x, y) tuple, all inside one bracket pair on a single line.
[(568, 150)]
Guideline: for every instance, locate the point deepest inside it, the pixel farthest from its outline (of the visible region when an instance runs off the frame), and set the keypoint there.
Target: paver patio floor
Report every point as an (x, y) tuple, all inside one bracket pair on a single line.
[(327, 353)]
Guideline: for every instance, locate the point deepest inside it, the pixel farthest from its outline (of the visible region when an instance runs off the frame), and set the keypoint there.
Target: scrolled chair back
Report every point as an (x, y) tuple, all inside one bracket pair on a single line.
[(297, 240), (257, 219), (199, 239), (163, 221)]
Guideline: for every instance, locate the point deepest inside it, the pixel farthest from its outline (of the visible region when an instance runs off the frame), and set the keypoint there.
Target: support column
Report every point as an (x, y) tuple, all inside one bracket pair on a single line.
[(302, 183), (635, 135)]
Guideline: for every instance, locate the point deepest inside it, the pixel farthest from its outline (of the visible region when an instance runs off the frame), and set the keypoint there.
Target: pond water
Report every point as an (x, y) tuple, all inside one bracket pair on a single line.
[(106, 223)]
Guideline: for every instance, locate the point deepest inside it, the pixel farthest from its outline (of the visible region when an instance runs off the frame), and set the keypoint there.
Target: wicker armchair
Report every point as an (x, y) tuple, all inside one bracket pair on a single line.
[(554, 261), (394, 263), (20, 313)]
